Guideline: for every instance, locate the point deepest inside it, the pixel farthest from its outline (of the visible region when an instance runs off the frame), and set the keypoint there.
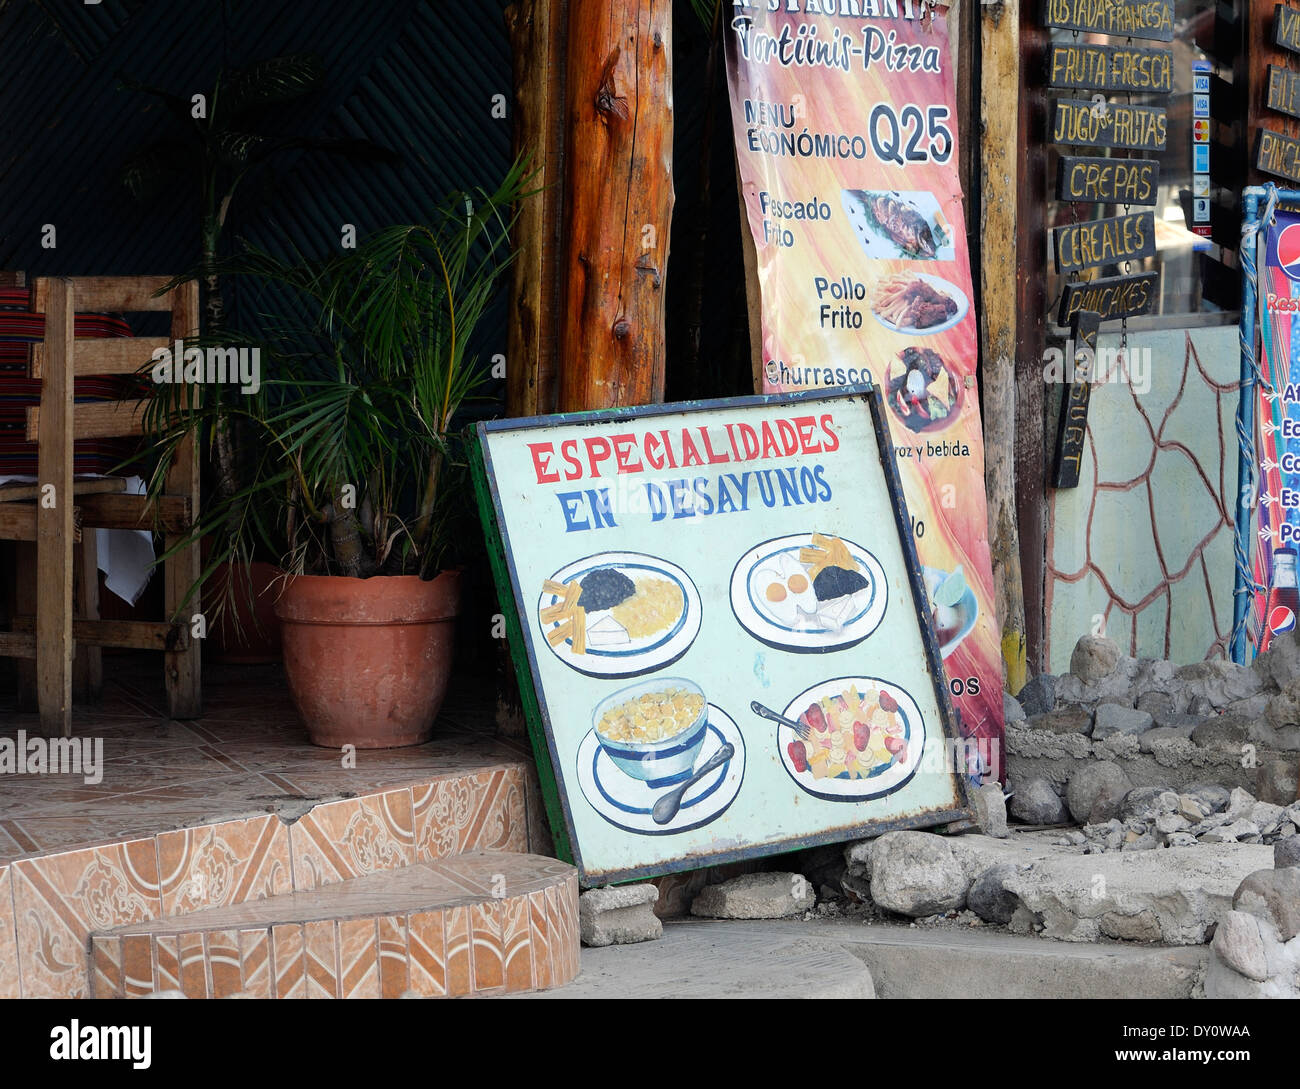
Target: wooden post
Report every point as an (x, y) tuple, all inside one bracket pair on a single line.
[(999, 113), (619, 202), (537, 31), (182, 668), (54, 512)]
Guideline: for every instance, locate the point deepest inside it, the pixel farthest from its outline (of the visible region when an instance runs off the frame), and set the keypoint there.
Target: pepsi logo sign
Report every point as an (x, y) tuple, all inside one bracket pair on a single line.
[(1284, 251), (1281, 620)]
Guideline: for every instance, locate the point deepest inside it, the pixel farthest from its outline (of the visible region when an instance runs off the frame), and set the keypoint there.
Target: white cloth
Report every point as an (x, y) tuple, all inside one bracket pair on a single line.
[(125, 555)]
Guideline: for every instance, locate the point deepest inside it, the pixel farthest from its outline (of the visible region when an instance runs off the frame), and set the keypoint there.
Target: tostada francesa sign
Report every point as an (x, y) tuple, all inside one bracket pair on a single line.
[(716, 620)]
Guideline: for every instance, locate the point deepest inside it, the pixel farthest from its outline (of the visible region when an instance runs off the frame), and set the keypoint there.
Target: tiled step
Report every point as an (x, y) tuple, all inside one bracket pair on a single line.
[(479, 923)]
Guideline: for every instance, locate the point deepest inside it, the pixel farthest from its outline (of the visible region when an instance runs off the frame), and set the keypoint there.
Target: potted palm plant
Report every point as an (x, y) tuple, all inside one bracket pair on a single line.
[(368, 363)]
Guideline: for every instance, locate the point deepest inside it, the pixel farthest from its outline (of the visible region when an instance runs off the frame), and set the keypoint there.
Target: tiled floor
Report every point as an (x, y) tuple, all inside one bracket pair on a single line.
[(233, 807), (247, 756)]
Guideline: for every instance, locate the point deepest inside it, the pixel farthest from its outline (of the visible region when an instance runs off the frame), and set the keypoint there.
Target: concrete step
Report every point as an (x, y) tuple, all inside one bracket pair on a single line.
[(475, 924), (845, 959)]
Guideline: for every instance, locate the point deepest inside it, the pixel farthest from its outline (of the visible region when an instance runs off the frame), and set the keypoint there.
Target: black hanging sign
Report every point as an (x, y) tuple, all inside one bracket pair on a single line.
[(1283, 90), (1107, 124), (1090, 180), (1111, 297), (1111, 68), (1150, 19), (1105, 241), (1073, 431), (1286, 27), (1277, 154)]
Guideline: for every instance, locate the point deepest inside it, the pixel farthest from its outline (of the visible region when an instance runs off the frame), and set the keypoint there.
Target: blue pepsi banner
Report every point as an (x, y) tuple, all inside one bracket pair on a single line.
[(1277, 543)]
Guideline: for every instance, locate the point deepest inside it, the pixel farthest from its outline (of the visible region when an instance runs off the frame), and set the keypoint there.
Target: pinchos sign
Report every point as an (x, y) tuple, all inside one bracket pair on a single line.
[(725, 642)]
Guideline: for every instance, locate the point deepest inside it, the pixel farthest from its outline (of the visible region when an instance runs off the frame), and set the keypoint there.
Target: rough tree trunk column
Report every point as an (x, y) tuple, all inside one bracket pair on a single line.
[(618, 202), (999, 114)]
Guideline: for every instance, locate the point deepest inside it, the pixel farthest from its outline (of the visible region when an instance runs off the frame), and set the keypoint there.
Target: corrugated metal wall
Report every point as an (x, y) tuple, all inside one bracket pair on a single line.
[(417, 76)]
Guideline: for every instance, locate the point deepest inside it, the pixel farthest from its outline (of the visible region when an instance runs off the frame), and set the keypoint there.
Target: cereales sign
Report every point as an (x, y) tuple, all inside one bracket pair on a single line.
[(1109, 125), (1094, 180), (1150, 19), (1110, 297), (1105, 241), (1111, 68)]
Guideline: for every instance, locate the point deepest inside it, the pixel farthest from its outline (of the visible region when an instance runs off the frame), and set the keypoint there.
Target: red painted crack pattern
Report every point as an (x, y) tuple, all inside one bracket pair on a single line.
[(1121, 615)]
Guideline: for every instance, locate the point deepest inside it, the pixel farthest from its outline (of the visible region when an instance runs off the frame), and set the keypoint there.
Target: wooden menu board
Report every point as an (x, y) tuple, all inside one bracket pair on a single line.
[(725, 643)]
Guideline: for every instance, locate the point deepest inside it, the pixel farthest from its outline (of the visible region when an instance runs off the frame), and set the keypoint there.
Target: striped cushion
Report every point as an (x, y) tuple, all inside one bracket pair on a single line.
[(19, 330)]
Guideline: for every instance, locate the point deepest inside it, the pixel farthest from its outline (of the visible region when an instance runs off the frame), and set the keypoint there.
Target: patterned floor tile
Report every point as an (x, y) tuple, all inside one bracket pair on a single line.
[(9, 984), (348, 838), (222, 864)]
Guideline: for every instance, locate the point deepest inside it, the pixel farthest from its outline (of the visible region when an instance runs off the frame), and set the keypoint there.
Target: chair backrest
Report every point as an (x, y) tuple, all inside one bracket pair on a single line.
[(62, 357)]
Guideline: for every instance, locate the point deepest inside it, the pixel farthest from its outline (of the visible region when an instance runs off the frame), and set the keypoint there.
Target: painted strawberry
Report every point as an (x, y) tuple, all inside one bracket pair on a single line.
[(861, 736), (887, 702), (815, 717), (798, 755), (895, 745)]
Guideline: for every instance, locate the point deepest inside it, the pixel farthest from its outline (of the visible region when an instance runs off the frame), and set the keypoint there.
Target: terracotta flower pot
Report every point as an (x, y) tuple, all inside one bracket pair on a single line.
[(368, 660)]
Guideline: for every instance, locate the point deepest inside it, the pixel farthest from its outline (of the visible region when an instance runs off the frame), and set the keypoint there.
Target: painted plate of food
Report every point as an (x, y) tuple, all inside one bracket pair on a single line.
[(809, 592), (619, 614), (857, 738), (922, 390), (894, 225), (918, 304), (953, 606)]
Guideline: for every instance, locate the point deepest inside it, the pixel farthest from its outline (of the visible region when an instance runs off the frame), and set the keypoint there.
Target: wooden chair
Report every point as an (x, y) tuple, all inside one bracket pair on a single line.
[(54, 514)]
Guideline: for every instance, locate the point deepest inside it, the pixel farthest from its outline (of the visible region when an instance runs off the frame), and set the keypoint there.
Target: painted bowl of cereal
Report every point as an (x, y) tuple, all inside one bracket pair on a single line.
[(653, 730)]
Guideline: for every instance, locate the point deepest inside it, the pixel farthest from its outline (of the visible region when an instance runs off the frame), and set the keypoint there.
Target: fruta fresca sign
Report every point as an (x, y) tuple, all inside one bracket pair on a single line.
[(846, 135)]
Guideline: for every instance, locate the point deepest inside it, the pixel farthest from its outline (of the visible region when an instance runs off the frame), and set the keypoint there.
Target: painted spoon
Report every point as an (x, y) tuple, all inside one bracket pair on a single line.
[(666, 807)]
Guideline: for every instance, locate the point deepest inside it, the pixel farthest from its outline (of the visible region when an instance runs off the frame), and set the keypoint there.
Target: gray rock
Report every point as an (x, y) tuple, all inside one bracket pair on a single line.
[(1036, 802), (1011, 709), (1231, 832), (1117, 687), (1169, 823), (1107, 804), (619, 915), (1114, 718), (1280, 664), (990, 810), (756, 896), (1240, 803), (1149, 741), (1094, 658), (1039, 695), (856, 886), (1251, 707), (1277, 779), (1190, 809), (1108, 837), (1240, 946), (917, 874), (1281, 738), (1145, 841), (989, 897), (1087, 784), (1267, 816), (1217, 680), (1211, 797), (1273, 895), (1223, 733), (1182, 839), (1286, 853), (1284, 708), (1154, 678), (1155, 703), (1076, 720)]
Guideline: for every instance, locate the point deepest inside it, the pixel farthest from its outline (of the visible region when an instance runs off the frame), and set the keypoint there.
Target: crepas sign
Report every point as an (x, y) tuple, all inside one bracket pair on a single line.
[(726, 644)]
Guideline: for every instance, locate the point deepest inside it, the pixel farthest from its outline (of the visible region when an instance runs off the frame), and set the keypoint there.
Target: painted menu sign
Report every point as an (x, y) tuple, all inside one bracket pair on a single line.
[(726, 644), (1111, 68), (1153, 19), (846, 139), (1275, 609), (1277, 153), (1095, 180)]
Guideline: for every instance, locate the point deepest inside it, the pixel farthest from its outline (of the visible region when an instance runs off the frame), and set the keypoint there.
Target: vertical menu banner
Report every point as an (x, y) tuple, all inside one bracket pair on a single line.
[(1278, 435), (846, 139)]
